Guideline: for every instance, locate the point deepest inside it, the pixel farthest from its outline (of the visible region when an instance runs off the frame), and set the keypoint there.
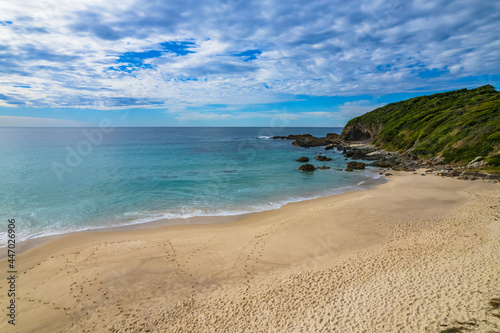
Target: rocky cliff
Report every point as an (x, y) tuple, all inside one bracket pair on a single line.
[(456, 126)]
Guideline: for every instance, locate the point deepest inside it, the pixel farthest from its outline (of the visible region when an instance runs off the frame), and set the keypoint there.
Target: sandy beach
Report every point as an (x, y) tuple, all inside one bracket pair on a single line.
[(417, 254)]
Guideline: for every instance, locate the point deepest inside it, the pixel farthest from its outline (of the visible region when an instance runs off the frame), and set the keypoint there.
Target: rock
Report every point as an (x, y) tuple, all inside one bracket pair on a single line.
[(303, 159), (323, 167), (323, 158), (348, 169), (403, 168), (360, 132), (409, 154), (355, 166), (423, 174), (359, 151), (384, 163), (307, 167), (329, 147), (293, 136), (307, 140), (332, 136), (436, 160), (478, 162), (448, 172), (477, 159), (388, 174), (377, 155)]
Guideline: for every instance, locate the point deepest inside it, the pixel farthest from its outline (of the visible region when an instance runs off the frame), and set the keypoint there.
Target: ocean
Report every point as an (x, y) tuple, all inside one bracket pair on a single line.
[(59, 180)]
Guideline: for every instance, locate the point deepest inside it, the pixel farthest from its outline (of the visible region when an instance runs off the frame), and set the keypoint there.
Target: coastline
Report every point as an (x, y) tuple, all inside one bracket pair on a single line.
[(380, 259), (35, 241)]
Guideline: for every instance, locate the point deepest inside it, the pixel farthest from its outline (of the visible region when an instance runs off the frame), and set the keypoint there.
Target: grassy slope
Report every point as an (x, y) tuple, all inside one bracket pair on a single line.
[(457, 125)]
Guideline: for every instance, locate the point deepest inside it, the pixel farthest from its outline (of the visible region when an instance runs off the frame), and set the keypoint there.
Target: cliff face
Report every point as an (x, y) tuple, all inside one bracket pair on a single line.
[(360, 132), (456, 126)]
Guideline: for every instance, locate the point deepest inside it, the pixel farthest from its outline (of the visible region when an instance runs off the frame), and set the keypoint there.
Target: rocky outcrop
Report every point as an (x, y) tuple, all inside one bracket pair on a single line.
[(322, 158), (332, 136), (306, 167), (360, 132), (355, 166), (476, 163), (308, 140), (394, 160)]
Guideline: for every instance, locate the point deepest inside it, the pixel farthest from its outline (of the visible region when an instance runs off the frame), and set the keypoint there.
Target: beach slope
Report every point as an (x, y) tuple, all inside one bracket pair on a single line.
[(416, 254)]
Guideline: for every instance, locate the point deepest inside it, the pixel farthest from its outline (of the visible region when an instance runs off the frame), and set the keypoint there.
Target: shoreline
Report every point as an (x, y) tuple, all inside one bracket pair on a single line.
[(416, 252), (35, 241)]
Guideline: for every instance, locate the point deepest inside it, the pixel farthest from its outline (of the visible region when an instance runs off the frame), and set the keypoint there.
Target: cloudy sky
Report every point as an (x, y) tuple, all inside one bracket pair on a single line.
[(235, 63)]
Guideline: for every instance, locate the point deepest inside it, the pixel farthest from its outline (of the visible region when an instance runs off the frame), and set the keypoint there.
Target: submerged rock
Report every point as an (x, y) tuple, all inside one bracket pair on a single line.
[(323, 158), (306, 167), (303, 159), (323, 167)]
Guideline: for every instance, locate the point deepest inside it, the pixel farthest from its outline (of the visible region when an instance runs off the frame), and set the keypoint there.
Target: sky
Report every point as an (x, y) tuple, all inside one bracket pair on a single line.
[(235, 63)]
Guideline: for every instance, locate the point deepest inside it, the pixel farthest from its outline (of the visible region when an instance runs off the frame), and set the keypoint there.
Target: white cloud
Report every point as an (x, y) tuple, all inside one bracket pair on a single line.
[(59, 54), (11, 121), (350, 110), (202, 116)]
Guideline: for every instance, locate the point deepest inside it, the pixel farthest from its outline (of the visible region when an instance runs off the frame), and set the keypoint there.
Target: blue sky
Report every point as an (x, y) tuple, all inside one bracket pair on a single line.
[(236, 63)]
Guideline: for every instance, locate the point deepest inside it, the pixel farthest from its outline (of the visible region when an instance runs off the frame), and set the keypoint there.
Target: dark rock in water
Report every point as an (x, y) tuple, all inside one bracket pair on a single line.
[(292, 136), (303, 159), (356, 165), (323, 167), (329, 147), (308, 140), (307, 167), (332, 136), (348, 169), (323, 158)]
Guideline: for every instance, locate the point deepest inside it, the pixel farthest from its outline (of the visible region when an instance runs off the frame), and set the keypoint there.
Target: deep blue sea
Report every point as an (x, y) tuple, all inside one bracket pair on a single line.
[(58, 180)]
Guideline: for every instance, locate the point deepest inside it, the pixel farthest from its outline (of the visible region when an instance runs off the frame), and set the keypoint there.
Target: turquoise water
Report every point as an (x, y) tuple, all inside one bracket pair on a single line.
[(57, 180)]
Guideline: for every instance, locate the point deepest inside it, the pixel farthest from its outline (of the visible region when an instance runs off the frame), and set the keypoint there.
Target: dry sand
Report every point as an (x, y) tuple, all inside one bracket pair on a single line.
[(412, 255)]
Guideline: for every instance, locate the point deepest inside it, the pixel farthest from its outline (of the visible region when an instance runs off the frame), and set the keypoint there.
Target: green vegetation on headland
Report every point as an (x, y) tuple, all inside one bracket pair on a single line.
[(457, 126)]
